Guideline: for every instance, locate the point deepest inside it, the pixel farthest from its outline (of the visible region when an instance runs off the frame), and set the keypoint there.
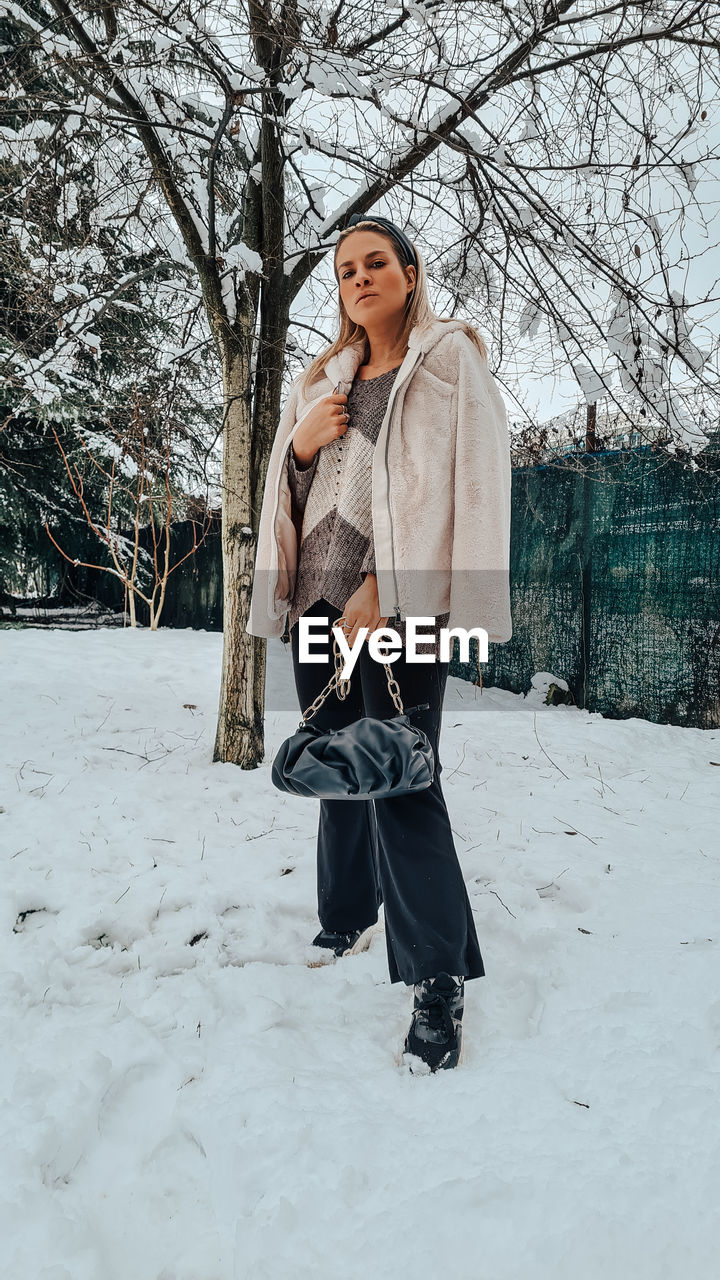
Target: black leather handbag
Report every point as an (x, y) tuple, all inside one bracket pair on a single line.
[(367, 760)]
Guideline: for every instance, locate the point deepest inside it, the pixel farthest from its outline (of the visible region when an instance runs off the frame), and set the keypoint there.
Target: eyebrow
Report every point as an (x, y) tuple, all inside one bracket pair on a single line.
[(372, 254)]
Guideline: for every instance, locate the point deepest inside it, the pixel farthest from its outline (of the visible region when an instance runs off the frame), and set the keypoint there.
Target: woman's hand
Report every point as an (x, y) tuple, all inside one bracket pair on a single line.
[(325, 422), (362, 610)]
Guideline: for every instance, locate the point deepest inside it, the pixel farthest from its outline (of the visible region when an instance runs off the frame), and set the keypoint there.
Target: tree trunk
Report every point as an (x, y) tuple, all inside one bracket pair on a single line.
[(240, 728), (590, 427)]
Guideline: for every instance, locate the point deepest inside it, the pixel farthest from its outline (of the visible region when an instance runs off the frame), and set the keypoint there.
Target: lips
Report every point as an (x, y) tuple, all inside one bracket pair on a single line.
[(363, 296)]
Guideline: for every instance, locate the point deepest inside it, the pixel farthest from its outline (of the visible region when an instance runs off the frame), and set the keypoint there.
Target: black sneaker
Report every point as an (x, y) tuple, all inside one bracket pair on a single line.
[(339, 943), (435, 1035)]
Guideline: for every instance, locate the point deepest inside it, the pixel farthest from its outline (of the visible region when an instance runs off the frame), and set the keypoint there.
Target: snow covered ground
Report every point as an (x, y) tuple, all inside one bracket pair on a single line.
[(186, 1098)]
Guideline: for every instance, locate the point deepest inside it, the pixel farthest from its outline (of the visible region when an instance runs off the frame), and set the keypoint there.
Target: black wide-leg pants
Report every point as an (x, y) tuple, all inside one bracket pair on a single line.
[(398, 851)]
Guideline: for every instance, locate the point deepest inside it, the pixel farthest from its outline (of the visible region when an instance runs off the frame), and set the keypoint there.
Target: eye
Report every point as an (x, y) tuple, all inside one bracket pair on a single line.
[(379, 263)]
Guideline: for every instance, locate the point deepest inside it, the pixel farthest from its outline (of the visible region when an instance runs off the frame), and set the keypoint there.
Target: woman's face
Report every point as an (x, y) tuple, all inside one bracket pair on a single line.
[(368, 264)]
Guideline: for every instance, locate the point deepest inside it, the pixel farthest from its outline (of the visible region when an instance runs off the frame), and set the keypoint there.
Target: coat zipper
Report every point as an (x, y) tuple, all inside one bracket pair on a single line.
[(396, 617)]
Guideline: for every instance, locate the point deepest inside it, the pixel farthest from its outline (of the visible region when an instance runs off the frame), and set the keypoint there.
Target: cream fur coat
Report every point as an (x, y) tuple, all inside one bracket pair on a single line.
[(441, 483)]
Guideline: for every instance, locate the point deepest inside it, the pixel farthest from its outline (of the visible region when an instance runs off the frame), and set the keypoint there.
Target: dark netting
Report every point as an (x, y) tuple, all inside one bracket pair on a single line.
[(615, 573)]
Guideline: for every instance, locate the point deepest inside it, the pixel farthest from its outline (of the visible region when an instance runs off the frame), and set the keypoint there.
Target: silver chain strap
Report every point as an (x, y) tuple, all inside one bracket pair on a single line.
[(343, 686)]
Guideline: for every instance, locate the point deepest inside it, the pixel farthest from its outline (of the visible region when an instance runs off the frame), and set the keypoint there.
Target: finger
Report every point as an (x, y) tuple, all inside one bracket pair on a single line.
[(338, 623), (353, 635), (348, 630)]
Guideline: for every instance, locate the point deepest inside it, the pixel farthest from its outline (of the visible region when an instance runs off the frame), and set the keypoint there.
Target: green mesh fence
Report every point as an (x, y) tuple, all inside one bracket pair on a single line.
[(615, 581)]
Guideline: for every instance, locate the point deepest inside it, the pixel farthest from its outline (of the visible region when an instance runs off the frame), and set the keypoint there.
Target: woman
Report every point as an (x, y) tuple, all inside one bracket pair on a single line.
[(388, 496)]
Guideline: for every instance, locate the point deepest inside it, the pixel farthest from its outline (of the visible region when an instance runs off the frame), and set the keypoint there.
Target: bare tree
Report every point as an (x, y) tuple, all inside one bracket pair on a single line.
[(549, 158), (142, 475)]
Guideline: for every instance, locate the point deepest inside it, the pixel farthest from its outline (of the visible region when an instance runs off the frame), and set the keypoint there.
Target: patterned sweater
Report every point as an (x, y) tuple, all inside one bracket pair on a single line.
[(332, 500)]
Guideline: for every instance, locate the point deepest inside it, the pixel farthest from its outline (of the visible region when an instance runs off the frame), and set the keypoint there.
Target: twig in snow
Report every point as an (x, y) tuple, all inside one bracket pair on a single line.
[(557, 766), (34, 791), (99, 727), (502, 904), (262, 833), (552, 882), (139, 754), (574, 831), (19, 773), (452, 775), (605, 784), (619, 815)]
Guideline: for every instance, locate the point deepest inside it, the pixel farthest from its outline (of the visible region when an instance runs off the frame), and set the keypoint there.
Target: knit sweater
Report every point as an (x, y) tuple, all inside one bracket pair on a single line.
[(331, 500)]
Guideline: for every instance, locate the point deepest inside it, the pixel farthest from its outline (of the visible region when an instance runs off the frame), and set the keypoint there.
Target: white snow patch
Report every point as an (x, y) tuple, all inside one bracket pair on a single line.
[(186, 1098)]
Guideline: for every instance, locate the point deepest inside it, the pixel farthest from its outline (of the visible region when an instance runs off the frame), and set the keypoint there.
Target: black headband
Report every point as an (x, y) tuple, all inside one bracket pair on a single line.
[(405, 245)]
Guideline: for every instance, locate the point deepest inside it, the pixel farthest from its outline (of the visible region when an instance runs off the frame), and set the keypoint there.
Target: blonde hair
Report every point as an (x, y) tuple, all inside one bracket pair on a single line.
[(417, 308)]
